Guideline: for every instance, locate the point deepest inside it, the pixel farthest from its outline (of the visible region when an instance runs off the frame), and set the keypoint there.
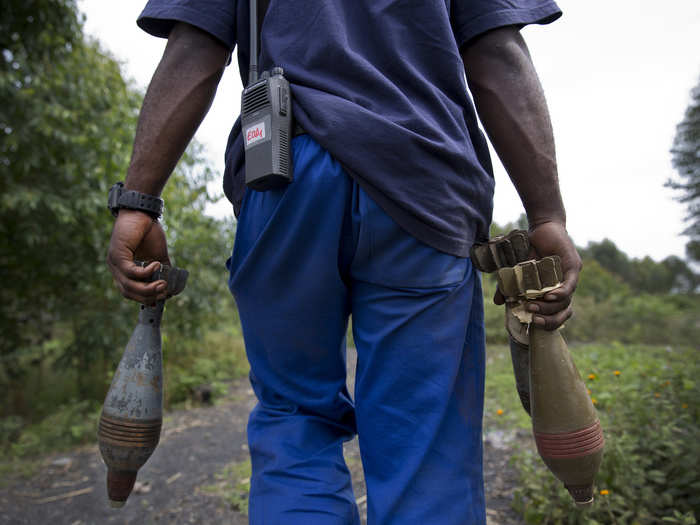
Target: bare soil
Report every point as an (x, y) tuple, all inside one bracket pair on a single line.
[(179, 483)]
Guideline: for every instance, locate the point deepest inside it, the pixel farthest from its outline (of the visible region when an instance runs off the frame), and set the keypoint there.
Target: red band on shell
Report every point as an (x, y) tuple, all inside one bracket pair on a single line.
[(571, 444)]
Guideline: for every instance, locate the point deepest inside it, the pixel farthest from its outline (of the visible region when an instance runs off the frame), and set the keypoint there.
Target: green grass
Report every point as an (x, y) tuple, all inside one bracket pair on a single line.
[(215, 361), (232, 485), (14, 468), (647, 400), (502, 407)]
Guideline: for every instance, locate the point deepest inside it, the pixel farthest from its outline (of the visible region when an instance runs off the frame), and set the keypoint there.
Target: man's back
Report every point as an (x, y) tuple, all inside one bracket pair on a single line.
[(380, 85)]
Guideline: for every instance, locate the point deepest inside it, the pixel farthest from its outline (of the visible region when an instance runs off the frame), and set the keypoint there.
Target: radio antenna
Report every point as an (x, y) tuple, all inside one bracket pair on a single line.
[(253, 68)]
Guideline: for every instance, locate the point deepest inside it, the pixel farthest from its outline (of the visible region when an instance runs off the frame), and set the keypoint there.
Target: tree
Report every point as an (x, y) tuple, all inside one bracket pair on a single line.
[(671, 275), (610, 257), (519, 224), (67, 120), (685, 157)]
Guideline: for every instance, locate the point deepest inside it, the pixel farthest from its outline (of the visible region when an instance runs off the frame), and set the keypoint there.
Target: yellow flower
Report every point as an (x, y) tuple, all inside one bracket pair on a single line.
[(685, 405), (616, 372), (667, 383), (591, 376), (589, 391), (604, 492), (594, 401), (656, 394), (499, 412)]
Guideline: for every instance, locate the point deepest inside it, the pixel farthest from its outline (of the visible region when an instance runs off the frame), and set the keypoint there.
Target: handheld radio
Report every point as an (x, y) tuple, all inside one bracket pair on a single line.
[(266, 121)]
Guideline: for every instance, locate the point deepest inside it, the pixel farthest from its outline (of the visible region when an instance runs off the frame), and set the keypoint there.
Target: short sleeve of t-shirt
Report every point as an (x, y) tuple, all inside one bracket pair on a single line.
[(471, 18), (216, 17)]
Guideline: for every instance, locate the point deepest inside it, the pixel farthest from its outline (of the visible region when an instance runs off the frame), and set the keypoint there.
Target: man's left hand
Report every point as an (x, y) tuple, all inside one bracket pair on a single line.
[(554, 309)]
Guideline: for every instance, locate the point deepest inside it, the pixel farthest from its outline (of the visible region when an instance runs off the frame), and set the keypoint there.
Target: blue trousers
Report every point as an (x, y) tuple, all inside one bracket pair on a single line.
[(305, 258)]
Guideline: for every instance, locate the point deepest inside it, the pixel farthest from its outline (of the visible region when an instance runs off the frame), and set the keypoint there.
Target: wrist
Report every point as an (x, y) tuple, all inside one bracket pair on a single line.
[(135, 215), (121, 198), (540, 220)]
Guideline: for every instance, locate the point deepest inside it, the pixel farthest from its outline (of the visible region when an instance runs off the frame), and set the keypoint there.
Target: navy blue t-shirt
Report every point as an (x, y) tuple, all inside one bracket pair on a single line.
[(380, 85)]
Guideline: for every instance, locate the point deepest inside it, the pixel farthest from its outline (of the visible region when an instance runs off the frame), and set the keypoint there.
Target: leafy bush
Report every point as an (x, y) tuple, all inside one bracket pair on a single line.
[(493, 314), (647, 402), (71, 424), (64, 319), (217, 359)]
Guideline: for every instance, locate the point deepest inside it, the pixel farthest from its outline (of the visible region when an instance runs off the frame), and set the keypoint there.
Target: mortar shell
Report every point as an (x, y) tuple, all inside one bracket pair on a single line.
[(520, 357), (120, 483), (565, 424), (131, 418)]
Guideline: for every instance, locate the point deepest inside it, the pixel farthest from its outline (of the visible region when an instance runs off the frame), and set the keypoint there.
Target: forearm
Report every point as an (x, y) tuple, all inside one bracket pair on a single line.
[(177, 99), (511, 105)]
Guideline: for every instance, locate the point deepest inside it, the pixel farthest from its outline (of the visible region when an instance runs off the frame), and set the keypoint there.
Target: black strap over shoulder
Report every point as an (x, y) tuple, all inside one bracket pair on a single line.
[(262, 10)]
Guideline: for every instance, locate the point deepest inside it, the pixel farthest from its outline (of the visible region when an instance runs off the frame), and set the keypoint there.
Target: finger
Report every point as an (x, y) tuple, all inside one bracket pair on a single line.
[(498, 298), (139, 299), (129, 274), (130, 295), (143, 291), (548, 307), (552, 322), (533, 253), (142, 299), (165, 259), (564, 291), (133, 280), (154, 246), (136, 272), (121, 261)]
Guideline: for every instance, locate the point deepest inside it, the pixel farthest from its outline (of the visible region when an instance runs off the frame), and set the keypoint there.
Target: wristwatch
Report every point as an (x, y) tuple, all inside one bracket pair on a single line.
[(133, 200)]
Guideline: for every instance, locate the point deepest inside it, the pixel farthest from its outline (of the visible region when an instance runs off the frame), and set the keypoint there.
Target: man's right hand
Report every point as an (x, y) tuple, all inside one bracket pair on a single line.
[(177, 99), (136, 236)]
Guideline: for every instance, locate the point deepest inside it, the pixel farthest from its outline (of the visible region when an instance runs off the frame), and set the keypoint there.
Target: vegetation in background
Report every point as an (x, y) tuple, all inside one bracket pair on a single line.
[(67, 120), (620, 299), (647, 402), (686, 161), (232, 485)]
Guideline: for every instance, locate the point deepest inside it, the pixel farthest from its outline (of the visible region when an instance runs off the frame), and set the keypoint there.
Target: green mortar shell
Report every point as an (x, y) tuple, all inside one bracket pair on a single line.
[(560, 402), (520, 357), (577, 474), (564, 420)]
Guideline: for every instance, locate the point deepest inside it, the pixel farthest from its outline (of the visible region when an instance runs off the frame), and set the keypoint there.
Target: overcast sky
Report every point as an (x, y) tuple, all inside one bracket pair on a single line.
[(617, 76)]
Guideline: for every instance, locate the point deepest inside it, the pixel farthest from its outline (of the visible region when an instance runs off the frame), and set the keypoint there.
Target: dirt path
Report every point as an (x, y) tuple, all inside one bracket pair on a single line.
[(198, 474)]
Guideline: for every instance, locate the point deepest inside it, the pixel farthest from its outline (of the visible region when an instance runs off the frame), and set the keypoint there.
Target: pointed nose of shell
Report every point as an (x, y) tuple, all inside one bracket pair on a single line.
[(119, 486)]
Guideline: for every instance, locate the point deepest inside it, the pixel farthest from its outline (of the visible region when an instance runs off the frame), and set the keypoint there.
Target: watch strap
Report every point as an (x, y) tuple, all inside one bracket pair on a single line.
[(134, 200)]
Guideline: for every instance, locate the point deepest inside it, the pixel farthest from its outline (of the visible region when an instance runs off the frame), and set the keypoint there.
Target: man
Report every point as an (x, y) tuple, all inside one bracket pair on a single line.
[(393, 184)]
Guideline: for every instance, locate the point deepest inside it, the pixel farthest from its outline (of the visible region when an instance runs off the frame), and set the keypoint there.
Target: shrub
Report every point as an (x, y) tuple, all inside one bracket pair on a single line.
[(651, 420), (218, 358), (70, 424)]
